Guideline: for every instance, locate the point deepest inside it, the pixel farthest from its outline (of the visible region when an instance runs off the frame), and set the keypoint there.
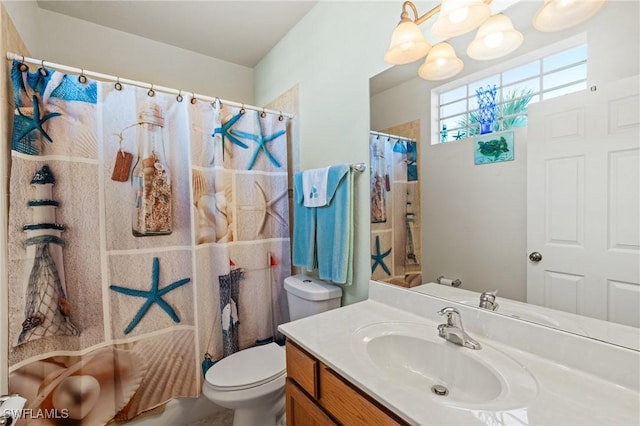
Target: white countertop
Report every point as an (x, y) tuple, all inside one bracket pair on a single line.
[(568, 392)]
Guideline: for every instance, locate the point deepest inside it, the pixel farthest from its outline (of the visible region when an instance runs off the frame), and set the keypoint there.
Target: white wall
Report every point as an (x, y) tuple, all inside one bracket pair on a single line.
[(331, 54), (69, 41), (474, 217), (23, 14)]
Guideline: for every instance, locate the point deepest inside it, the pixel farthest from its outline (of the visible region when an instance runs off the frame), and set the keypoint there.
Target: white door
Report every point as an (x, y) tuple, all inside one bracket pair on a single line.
[(583, 203)]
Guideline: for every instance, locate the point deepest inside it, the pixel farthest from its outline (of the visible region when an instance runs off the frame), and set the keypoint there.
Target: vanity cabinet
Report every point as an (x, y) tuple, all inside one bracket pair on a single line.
[(318, 396)]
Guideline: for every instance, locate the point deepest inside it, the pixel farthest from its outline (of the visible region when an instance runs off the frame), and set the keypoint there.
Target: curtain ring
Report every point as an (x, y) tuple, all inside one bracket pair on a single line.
[(193, 99), (118, 85), (82, 78), (263, 114), (151, 92), (179, 98), (242, 110), (23, 67), (280, 117), (42, 70)]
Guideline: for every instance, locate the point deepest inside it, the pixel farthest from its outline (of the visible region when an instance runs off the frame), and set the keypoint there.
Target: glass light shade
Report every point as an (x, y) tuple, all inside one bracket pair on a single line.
[(441, 63), (556, 15), (460, 16), (495, 38), (407, 44)]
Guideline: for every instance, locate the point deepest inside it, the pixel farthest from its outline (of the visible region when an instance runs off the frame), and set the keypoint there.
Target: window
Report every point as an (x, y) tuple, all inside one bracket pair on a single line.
[(540, 79)]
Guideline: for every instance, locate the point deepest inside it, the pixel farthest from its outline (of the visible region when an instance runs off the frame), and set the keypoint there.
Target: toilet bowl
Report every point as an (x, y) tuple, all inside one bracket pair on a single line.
[(251, 382)]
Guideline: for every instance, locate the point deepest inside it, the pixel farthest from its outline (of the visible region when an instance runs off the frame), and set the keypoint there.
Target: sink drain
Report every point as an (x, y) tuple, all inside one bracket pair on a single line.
[(439, 390)]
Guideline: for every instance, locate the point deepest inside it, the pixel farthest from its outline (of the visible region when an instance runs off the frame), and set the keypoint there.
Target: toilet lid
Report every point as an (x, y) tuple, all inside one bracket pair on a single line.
[(247, 368)]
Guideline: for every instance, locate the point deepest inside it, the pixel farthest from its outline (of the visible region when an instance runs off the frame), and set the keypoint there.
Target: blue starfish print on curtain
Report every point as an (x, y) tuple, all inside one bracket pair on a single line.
[(23, 126), (262, 140), (153, 296), (378, 258), (224, 132), (67, 89)]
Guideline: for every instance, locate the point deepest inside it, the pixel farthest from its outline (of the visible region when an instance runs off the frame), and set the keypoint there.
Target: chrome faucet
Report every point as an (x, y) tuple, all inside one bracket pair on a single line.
[(488, 300), (453, 330)]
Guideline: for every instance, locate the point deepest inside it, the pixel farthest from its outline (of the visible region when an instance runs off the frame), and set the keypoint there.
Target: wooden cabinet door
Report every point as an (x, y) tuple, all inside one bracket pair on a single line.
[(349, 405), (302, 410)]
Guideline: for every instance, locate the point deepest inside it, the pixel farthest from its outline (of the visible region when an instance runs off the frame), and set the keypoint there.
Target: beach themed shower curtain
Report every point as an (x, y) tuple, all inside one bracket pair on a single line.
[(395, 204), (144, 231)]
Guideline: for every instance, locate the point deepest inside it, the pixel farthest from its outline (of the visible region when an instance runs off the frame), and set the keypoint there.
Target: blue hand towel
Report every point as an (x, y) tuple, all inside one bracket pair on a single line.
[(335, 228)]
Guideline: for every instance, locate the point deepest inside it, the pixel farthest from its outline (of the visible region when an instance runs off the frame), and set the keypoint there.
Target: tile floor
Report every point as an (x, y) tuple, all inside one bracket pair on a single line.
[(221, 418)]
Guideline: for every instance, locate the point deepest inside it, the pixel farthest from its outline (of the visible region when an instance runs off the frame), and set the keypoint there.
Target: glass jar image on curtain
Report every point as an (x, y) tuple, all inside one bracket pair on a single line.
[(378, 185), (151, 178)]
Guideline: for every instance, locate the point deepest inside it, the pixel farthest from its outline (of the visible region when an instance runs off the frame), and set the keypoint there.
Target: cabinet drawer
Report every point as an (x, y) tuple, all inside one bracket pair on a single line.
[(302, 410), (302, 368), (348, 405)]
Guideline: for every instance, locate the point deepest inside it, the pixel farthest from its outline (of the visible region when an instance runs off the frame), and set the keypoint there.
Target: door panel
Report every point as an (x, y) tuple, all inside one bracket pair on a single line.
[(624, 200), (583, 205), (564, 201)]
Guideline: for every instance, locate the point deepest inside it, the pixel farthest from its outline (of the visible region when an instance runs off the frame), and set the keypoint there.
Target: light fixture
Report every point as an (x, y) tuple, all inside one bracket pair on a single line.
[(407, 43), (460, 16), (441, 63), (556, 15), (495, 38)]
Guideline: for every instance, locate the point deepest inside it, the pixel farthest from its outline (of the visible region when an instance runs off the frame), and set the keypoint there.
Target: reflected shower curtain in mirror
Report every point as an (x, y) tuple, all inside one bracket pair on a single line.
[(143, 232), (395, 203)]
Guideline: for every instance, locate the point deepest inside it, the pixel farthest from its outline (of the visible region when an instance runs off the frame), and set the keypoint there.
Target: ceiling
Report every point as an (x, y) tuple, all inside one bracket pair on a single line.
[(240, 32)]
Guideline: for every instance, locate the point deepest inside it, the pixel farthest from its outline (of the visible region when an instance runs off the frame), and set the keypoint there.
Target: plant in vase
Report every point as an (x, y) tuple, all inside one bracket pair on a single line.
[(511, 111), (486, 108)]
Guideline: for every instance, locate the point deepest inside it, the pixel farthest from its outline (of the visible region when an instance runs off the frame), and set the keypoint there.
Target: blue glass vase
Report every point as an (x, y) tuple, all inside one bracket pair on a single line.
[(486, 108)]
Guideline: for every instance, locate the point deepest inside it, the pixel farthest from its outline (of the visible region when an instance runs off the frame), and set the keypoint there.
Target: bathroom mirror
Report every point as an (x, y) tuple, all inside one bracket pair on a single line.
[(475, 216)]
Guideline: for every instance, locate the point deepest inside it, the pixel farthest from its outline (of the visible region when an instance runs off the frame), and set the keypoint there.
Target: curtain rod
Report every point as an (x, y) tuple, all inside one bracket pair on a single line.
[(386, 135), (97, 75)]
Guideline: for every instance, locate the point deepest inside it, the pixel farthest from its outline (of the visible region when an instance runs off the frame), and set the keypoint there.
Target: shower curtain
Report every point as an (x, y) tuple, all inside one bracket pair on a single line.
[(105, 325), (395, 204)]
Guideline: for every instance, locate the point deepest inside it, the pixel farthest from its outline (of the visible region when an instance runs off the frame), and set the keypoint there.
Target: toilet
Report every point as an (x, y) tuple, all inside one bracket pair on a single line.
[(251, 382)]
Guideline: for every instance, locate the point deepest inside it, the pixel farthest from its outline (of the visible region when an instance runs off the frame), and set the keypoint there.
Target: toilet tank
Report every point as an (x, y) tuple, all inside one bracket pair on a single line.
[(309, 296)]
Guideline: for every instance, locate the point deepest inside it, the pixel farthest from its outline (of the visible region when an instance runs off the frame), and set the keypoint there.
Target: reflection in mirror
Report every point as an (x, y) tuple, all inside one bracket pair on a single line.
[(577, 324), (395, 205), (477, 218)]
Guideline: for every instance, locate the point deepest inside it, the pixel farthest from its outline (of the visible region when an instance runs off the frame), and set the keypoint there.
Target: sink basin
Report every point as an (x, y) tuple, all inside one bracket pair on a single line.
[(412, 354)]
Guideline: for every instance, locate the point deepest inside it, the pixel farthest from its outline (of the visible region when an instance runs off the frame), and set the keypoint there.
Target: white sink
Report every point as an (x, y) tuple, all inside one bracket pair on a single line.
[(412, 354)]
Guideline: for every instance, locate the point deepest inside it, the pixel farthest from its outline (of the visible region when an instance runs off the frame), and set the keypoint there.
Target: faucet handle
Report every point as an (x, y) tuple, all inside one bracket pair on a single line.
[(453, 315), (489, 295), (448, 311)]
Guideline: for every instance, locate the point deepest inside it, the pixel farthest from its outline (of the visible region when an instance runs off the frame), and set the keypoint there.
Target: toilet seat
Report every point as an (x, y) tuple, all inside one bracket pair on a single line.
[(247, 368)]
